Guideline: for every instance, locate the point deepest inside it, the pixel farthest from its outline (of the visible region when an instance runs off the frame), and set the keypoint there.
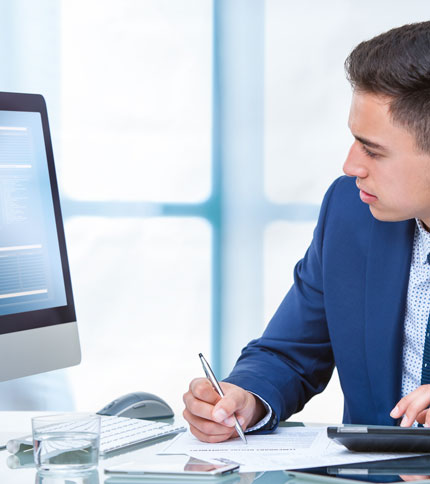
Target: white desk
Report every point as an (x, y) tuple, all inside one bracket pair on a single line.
[(17, 424)]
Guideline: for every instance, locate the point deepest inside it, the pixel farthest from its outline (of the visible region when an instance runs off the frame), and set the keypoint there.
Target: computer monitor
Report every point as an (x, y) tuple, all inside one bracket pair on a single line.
[(38, 330)]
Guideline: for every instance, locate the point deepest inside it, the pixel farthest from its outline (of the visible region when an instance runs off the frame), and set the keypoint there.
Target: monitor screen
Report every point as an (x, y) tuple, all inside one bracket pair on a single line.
[(31, 275)]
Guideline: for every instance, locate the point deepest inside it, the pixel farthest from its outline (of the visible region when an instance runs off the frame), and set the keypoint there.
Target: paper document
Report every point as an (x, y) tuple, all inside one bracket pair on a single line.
[(284, 439), (286, 448)]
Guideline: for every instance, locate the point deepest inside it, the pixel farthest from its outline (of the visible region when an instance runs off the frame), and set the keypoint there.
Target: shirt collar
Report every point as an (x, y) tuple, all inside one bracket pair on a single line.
[(423, 242)]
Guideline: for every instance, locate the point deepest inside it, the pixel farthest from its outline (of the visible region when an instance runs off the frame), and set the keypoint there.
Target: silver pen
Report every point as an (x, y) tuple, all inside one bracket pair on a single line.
[(212, 378)]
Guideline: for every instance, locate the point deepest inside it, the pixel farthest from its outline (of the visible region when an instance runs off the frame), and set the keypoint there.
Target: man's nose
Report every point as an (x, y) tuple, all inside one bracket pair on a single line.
[(355, 163)]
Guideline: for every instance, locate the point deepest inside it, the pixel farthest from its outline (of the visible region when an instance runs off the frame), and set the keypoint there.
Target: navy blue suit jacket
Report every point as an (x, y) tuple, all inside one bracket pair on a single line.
[(346, 308)]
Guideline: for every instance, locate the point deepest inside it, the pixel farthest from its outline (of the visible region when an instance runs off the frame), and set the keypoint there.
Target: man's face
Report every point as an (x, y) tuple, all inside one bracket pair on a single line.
[(392, 174)]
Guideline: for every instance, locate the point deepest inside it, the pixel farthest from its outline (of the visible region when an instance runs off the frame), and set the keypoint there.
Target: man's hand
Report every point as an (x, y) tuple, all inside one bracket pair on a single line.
[(211, 417), (414, 407)]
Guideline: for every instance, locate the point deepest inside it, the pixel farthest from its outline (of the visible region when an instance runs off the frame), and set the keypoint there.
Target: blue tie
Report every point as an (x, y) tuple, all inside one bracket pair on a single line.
[(425, 372)]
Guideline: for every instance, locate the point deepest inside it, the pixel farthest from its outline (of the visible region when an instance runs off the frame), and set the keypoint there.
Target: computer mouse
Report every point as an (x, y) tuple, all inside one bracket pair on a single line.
[(138, 405)]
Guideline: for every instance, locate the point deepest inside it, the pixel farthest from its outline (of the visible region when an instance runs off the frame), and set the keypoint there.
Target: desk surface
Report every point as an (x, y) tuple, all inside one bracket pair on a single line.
[(19, 424)]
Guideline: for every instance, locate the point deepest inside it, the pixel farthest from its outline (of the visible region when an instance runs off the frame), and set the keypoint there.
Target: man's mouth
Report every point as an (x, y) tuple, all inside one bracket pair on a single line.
[(367, 197), (367, 193)]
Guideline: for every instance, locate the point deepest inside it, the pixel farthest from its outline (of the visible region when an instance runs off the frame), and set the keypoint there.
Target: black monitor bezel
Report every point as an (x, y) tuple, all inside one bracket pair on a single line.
[(28, 320)]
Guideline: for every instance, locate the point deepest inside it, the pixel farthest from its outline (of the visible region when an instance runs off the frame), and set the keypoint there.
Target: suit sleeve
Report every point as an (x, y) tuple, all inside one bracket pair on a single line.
[(293, 359)]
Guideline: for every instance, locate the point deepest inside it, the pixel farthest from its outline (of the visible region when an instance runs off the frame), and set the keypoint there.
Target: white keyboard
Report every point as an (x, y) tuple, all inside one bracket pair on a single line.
[(119, 432), (116, 433)]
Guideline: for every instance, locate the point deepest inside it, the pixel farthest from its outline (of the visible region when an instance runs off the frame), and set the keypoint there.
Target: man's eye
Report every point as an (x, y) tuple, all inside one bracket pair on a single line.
[(368, 153)]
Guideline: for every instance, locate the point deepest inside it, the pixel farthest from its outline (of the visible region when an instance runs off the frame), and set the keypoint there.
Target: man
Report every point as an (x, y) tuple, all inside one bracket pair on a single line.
[(361, 294)]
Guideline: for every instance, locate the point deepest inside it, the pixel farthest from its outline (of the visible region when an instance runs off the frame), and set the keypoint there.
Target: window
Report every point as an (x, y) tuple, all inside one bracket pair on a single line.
[(136, 175)]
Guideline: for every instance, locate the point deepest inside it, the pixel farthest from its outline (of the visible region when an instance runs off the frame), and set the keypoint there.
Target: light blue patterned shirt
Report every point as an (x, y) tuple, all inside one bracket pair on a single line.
[(417, 311)]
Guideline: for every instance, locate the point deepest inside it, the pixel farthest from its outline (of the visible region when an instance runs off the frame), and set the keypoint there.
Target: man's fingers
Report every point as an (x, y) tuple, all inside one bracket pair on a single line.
[(212, 417), (203, 401), (209, 438), (410, 406), (202, 389), (424, 418), (421, 417), (401, 406), (232, 402), (426, 422), (198, 407), (207, 427), (416, 402)]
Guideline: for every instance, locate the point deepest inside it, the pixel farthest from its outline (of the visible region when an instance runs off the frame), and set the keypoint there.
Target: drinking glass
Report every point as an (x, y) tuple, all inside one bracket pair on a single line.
[(66, 442)]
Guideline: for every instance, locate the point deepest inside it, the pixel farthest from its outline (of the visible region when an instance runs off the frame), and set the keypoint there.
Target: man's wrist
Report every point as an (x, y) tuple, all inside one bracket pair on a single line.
[(260, 410), (263, 419)]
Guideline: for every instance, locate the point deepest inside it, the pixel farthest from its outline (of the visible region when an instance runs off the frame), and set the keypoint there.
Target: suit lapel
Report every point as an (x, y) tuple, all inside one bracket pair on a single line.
[(387, 277)]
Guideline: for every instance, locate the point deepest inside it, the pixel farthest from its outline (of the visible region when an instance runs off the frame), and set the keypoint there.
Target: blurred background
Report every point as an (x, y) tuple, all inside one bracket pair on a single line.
[(194, 140)]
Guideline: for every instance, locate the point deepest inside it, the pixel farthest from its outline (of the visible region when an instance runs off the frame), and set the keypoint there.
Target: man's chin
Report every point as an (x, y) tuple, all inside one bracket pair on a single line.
[(387, 217)]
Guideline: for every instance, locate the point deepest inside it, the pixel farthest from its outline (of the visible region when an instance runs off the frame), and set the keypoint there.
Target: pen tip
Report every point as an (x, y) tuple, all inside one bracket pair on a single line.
[(200, 355)]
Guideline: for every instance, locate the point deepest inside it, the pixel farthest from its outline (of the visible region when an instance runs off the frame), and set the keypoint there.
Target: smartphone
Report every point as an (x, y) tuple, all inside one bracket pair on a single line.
[(174, 466)]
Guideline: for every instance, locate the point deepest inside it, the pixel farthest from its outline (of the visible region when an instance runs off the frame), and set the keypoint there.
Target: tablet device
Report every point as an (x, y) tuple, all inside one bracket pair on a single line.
[(382, 439), (174, 466), (393, 470)]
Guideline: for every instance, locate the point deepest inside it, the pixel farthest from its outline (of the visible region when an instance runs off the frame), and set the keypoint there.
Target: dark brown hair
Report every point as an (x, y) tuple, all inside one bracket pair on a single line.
[(397, 64)]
